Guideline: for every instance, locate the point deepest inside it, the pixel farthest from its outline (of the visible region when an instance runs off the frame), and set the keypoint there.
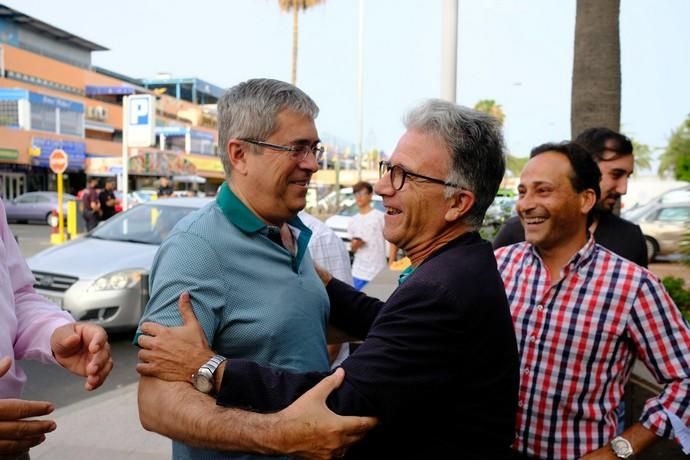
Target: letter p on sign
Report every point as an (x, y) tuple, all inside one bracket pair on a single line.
[(139, 111)]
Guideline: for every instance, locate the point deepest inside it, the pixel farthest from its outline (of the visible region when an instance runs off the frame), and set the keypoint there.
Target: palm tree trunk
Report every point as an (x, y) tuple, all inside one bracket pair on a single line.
[(295, 31), (596, 85)]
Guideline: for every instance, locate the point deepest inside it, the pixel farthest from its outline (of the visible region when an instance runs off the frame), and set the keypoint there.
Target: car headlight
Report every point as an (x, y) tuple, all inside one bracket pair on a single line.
[(118, 280)]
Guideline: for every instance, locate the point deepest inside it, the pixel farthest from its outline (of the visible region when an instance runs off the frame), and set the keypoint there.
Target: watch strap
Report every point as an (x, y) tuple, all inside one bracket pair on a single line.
[(213, 363)]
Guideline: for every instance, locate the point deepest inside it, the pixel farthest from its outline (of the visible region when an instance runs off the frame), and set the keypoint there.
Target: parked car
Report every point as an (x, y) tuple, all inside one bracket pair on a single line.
[(674, 195), (502, 208), (36, 206), (340, 221), (103, 277), (663, 226), (327, 204)]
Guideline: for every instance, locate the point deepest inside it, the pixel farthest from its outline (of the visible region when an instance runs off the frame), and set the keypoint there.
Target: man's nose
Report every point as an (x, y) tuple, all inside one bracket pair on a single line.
[(383, 186), (622, 186), (309, 162), (524, 203)]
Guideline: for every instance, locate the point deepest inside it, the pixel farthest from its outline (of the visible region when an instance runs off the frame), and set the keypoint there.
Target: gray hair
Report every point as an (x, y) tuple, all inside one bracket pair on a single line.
[(249, 110), (475, 146)]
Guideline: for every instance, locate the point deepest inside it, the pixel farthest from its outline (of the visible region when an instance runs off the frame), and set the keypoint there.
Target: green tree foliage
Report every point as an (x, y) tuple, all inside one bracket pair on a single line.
[(679, 294), (489, 106), (643, 155), (676, 157), (515, 164), (685, 247)]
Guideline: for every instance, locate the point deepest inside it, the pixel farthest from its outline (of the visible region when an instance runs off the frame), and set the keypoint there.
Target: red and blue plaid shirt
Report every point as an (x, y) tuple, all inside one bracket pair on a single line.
[(578, 337)]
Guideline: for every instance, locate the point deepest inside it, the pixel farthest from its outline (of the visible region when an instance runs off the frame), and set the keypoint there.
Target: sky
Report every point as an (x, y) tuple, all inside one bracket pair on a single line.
[(517, 52)]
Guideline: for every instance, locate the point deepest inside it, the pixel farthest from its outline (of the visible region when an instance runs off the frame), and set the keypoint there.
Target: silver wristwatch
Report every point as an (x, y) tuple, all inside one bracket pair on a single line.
[(622, 447), (203, 378)]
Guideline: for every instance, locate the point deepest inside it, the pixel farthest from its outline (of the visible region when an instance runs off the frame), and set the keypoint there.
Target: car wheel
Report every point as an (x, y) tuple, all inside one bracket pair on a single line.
[(652, 248)]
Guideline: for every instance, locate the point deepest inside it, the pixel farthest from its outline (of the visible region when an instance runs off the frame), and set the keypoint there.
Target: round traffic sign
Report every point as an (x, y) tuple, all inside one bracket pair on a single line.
[(58, 161)]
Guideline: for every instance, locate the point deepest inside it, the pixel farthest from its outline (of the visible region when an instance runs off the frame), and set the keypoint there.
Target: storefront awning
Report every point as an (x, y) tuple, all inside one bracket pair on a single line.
[(189, 179)]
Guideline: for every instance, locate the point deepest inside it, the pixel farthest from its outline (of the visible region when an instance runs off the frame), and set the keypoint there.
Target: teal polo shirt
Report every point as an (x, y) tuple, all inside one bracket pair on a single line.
[(253, 298)]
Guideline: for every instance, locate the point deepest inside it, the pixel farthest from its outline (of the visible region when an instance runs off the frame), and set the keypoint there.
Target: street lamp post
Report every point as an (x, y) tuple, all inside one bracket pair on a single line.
[(449, 53)]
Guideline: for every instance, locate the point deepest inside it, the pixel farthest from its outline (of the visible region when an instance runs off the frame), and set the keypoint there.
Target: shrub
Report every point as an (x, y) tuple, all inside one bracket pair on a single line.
[(679, 294)]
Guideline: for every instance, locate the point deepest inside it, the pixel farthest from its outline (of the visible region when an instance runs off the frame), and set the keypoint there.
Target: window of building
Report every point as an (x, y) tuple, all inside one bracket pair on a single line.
[(203, 146), (71, 122), (43, 117), (9, 113)]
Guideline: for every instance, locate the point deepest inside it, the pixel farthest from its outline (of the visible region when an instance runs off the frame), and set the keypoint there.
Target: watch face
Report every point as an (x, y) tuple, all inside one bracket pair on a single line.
[(621, 447), (203, 381)]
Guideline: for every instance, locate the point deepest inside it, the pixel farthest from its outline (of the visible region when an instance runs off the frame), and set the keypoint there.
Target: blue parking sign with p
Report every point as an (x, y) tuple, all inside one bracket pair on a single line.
[(139, 111)]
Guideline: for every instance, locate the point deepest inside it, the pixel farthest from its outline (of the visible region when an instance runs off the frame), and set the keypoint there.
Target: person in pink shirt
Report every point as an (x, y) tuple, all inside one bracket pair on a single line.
[(33, 328)]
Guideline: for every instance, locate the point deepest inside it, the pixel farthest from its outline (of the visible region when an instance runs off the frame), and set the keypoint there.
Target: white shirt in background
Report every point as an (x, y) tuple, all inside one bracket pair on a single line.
[(326, 249), (371, 257)]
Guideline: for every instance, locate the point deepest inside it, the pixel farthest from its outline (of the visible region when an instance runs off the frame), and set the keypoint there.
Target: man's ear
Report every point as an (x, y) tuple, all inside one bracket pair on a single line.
[(587, 200), (237, 151), (460, 205)]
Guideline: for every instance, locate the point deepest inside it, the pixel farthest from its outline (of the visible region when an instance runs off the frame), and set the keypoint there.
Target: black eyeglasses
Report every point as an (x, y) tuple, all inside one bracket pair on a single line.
[(398, 175), (297, 152)]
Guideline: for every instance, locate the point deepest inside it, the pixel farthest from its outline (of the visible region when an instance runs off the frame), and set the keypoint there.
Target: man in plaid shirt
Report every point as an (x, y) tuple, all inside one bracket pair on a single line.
[(582, 314)]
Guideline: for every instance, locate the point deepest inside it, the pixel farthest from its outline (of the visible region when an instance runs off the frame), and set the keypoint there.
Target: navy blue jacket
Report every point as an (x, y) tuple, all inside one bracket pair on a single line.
[(438, 366)]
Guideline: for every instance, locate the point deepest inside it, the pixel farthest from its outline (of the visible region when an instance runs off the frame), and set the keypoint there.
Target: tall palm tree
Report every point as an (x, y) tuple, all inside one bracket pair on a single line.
[(489, 106), (596, 86), (513, 164), (295, 6), (676, 157)]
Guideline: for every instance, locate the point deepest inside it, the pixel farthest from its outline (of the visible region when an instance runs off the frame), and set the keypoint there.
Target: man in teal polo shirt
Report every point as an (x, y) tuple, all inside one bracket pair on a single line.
[(244, 261)]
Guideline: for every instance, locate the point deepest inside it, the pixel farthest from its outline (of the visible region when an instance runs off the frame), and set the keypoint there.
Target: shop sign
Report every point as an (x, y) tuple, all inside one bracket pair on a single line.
[(9, 154), (212, 164), (161, 164), (103, 166)]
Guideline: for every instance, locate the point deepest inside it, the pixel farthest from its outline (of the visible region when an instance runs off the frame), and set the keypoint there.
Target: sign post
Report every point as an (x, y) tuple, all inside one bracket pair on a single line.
[(139, 120), (58, 164)]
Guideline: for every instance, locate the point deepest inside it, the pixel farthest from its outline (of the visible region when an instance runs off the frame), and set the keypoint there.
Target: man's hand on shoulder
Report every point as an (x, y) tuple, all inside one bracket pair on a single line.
[(309, 429), (83, 349), (17, 435)]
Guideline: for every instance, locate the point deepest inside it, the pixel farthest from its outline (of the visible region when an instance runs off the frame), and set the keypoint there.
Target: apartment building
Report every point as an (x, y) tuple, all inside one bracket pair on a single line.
[(51, 96)]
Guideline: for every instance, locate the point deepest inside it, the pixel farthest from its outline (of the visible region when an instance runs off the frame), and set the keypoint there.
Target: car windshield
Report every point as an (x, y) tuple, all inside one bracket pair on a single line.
[(147, 224), (351, 210)]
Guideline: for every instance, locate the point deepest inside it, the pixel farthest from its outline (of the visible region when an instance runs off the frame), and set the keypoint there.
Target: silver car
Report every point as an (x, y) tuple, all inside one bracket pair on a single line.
[(664, 226), (103, 277), (35, 206)]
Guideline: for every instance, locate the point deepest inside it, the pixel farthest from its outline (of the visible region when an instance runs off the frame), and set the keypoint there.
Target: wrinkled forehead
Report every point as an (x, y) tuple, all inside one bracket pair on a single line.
[(421, 151)]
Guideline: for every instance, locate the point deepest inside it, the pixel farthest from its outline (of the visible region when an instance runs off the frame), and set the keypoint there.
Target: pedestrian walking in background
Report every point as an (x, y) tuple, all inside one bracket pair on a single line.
[(165, 189), (91, 205), (107, 200), (366, 233)]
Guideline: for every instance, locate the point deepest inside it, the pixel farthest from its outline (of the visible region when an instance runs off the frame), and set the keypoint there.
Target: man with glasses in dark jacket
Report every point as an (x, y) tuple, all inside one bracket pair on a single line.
[(438, 365)]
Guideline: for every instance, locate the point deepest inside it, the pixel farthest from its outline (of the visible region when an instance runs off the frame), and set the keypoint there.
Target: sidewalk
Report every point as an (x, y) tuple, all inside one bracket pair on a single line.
[(107, 426)]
